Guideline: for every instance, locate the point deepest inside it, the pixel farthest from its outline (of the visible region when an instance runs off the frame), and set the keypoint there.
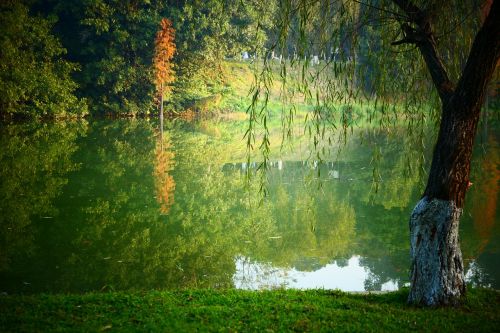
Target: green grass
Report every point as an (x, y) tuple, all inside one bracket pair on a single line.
[(238, 311)]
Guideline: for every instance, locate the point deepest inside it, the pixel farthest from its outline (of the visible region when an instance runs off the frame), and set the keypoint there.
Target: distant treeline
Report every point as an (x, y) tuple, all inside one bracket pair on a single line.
[(63, 58)]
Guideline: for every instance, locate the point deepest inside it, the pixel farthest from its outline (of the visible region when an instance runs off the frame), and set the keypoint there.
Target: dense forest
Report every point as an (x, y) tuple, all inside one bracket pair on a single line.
[(62, 58), (76, 58)]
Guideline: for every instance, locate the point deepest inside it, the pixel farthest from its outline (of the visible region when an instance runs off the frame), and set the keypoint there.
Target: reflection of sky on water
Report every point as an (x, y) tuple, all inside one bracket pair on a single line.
[(477, 277), (349, 277)]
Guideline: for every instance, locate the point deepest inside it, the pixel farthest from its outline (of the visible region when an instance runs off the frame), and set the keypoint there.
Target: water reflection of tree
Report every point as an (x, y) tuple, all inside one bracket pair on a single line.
[(481, 216), (393, 164), (109, 231), (335, 219), (164, 164), (397, 164), (35, 162), (485, 189), (310, 227)]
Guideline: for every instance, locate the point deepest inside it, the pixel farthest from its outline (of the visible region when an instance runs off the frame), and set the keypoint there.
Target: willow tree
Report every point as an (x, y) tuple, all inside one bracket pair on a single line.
[(162, 61), (409, 59)]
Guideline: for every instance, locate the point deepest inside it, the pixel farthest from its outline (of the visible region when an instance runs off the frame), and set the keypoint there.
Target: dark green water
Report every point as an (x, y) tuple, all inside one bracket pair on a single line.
[(109, 205)]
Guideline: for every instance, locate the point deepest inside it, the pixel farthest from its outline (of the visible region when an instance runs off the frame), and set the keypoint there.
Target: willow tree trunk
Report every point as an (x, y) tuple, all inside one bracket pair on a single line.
[(437, 271)]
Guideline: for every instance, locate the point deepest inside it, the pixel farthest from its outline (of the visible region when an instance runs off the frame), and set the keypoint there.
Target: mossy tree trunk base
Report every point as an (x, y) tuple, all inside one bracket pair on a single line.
[(437, 273)]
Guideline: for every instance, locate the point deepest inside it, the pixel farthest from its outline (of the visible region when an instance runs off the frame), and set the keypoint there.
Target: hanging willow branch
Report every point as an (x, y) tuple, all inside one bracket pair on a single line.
[(365, 73)]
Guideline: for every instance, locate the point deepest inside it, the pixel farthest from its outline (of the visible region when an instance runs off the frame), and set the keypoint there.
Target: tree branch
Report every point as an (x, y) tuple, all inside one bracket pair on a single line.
[(380, 9), (482, 61), (403, 41), (423, 37), (415, 14), (410, 36)]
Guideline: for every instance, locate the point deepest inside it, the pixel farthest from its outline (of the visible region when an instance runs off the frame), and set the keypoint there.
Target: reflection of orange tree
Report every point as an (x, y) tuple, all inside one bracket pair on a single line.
[(484, 210), (164, 181)]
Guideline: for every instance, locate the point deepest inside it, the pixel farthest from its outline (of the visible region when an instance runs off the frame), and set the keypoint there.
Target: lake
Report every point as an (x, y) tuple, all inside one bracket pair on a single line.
[(118, 205)]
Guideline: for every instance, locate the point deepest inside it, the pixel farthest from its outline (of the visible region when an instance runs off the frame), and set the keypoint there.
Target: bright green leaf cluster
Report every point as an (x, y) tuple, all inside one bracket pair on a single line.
[(34, 79)]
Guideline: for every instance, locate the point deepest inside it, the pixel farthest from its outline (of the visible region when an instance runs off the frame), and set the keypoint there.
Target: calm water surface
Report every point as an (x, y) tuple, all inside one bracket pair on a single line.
[(113, 205)]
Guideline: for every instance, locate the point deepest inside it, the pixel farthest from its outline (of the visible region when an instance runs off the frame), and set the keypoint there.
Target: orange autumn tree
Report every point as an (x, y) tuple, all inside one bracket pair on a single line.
[(162, 61)]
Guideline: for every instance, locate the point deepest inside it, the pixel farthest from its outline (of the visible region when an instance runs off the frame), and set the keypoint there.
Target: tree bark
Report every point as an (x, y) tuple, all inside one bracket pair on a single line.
[(161, 103), (437, 272)]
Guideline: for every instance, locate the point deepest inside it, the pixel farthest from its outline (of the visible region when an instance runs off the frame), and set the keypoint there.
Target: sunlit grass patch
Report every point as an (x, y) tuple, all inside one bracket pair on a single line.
[(236, 310)]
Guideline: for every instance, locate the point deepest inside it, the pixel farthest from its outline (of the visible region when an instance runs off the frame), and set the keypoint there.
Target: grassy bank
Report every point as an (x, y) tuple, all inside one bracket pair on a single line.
[(233, 310)]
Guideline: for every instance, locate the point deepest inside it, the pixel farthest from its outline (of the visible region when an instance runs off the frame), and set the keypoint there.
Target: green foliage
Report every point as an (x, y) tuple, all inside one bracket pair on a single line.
[(113, 41), (209, 32), (233, 310), (34, 79)]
